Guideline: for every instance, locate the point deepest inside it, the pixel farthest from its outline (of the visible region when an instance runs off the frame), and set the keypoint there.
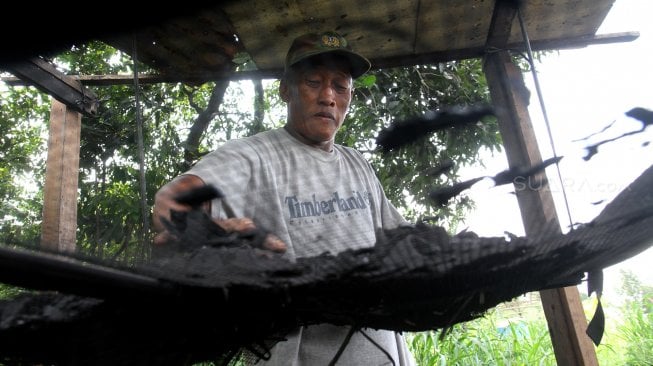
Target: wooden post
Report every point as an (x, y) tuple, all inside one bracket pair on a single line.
[(61, 177), (562, 307)]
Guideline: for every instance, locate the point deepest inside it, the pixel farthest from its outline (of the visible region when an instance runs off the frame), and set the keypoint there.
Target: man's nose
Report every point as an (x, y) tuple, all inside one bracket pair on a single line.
[(327, 95)]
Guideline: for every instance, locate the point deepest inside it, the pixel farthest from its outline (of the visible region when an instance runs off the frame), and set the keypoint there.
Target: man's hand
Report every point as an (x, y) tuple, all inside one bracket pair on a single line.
[(164, 201), (244, 225)]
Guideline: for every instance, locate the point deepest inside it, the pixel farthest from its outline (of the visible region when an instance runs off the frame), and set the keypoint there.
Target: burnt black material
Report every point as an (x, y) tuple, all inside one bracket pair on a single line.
[(408, 131), (212, 301)]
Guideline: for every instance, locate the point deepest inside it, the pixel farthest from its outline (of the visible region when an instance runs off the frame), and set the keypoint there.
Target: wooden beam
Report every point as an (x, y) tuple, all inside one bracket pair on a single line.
[(478, 52), (45, 271), (106, 80), (377, 63), (503, 16), (62, 87), (562, 307), (61, 177)]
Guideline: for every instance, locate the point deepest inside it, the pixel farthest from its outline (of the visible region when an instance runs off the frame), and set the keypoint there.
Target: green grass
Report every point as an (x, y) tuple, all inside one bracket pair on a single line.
[(515, 334), (482, 342)]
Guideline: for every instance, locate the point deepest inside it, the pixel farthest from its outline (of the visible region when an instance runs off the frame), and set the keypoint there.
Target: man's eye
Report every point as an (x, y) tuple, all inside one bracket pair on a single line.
[(341, 88), (313, 83)]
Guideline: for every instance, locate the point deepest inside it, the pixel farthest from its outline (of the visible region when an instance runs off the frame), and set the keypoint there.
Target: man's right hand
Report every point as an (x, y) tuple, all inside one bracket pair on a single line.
[(164, 201)]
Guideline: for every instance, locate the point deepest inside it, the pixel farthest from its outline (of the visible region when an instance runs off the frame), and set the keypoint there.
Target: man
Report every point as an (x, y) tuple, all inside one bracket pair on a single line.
[(316, 196)]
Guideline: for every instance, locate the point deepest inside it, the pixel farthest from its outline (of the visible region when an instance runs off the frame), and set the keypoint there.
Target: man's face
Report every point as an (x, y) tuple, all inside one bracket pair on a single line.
[(318, 98)]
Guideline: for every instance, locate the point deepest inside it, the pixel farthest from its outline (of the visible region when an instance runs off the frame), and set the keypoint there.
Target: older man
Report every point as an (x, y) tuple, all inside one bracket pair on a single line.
[(315, 195)]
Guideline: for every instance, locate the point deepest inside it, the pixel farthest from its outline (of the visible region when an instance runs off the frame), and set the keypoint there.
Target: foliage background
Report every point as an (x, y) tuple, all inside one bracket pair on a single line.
[(183, 122)]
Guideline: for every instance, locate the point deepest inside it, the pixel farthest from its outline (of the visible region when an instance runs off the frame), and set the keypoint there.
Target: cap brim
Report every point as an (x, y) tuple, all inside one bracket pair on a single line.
[(359, 64)]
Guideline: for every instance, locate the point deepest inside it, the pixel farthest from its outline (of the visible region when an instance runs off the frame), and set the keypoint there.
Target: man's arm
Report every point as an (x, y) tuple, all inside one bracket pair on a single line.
[(164, 201)]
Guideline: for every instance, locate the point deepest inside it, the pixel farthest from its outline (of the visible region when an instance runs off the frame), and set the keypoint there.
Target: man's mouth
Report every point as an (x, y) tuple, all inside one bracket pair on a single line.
[(325, 115)]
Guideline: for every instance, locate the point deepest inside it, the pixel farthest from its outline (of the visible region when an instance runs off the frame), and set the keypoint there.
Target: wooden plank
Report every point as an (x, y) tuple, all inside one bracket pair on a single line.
[(62, 87), (377, 63), (68, 226), (562, 307), (53, 178), (43, 271), (503, 15), (106, 80), (61, 180)]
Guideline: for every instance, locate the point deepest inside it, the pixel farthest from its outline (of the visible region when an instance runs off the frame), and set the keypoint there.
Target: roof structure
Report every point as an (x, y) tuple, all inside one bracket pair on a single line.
[(389, 32), (205, 42)]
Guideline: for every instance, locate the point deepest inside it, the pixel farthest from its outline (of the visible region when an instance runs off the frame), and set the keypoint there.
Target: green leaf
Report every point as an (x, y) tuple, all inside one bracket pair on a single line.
[(365, 81)]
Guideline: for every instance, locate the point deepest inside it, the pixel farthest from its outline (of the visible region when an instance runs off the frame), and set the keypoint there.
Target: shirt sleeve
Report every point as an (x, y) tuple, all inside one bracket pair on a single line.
[(229, 169), (390, 217)]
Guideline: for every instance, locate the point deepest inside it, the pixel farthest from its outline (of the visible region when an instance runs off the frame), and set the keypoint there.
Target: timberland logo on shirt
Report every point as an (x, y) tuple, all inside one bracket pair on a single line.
[(314, 207)]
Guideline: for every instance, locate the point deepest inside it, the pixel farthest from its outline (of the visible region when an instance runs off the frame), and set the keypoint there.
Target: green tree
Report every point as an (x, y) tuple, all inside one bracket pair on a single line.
[(21, 162), (390, 95)]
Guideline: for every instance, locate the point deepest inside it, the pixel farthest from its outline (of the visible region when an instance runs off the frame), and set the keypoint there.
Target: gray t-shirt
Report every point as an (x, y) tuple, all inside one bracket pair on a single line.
[(316, 202)]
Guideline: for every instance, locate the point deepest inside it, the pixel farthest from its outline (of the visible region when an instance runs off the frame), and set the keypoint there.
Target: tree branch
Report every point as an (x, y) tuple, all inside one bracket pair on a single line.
[(202, 122), (259, 108), (191, 100)]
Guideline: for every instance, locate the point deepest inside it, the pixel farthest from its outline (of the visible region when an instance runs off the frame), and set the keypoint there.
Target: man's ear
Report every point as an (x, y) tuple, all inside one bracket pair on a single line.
[(283, 90)]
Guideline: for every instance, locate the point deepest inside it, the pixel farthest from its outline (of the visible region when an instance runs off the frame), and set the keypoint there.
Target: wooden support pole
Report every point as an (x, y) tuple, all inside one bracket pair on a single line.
[(562, 307), (61, 177)]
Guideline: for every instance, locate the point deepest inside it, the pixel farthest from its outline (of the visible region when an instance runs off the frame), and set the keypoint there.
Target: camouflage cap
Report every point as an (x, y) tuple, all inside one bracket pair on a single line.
[(313, 44)]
